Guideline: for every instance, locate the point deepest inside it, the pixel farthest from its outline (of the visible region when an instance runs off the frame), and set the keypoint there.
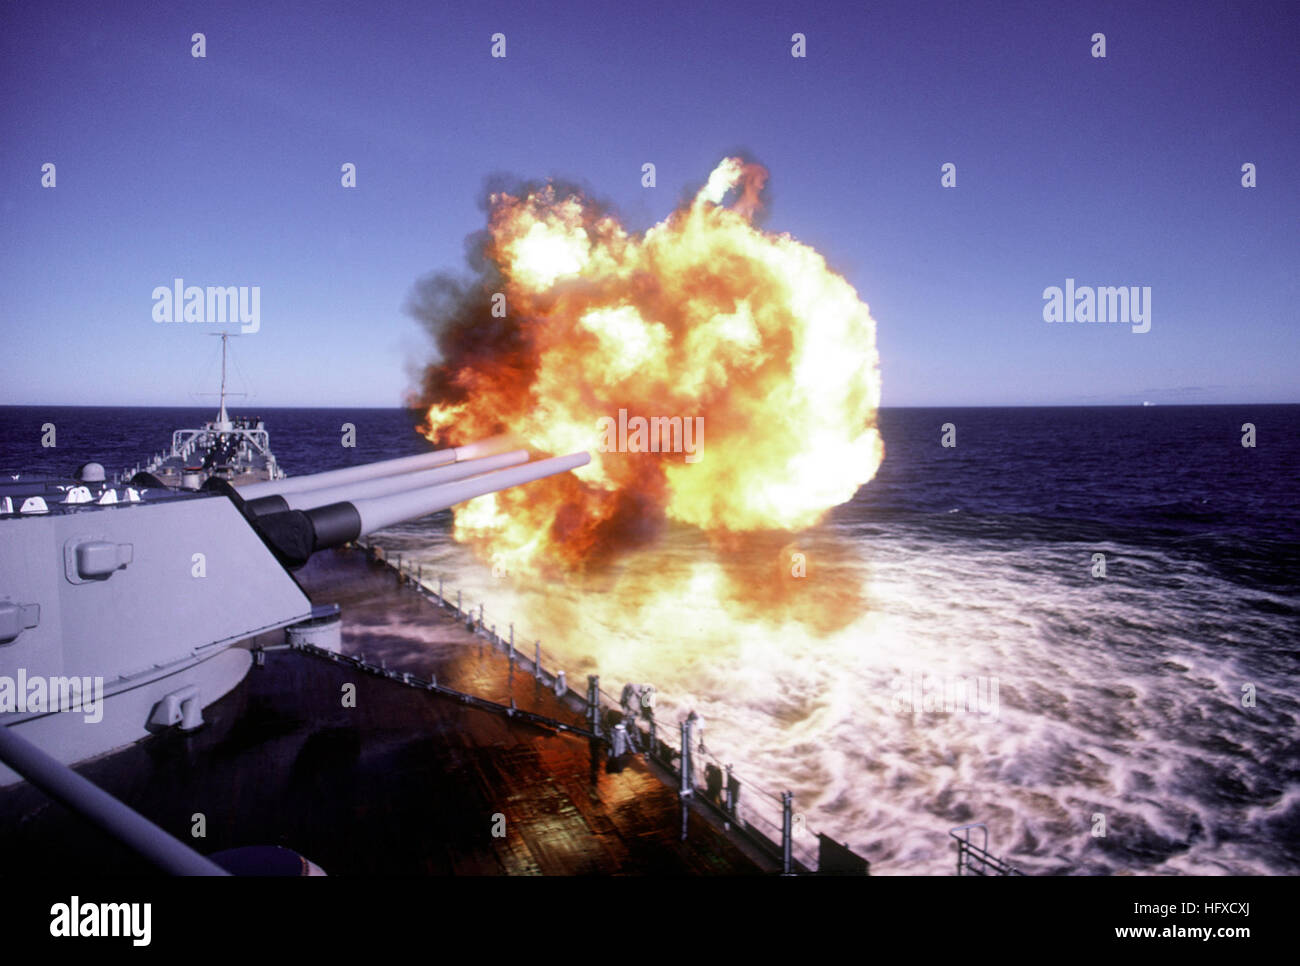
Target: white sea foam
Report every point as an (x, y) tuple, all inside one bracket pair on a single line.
[(1119, 697)]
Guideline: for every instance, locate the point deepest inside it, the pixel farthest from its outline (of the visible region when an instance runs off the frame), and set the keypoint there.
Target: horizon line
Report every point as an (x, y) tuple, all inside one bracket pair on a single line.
[(1130, 405)]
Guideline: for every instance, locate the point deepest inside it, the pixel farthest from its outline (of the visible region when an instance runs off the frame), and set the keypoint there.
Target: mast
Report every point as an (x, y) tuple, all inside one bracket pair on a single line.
[(223, 419), (221, 411)]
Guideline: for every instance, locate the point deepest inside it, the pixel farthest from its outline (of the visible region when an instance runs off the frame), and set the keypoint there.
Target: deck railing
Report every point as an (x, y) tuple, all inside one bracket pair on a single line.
[(975, 859), (765, 819)]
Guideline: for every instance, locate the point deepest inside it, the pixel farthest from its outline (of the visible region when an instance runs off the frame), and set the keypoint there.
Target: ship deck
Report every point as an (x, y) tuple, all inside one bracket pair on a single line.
[(407, 782), (173, 470)]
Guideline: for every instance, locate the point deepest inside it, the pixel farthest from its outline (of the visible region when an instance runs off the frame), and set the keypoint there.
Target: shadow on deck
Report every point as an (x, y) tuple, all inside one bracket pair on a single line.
[(404, 783)]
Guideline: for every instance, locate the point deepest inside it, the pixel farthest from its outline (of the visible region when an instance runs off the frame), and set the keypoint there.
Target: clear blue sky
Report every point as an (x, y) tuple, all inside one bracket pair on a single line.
[(225, 170)]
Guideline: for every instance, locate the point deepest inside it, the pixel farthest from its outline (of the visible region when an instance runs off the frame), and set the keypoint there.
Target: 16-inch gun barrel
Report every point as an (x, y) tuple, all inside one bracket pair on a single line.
[(411, 504), (382, 485), (369, 471), (294, 535)]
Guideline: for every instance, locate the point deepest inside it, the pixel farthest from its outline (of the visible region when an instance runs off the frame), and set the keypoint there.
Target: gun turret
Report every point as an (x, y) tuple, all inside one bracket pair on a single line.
[(140, 597)]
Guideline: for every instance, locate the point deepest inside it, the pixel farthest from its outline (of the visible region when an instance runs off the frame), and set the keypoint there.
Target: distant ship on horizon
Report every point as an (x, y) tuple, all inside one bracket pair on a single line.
[(234, 450)]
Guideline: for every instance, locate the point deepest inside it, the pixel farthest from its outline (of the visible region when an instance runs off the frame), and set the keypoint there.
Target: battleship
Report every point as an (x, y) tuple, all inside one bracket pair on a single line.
[(236, 716), (219, 647), (218, 643), (92, 657)]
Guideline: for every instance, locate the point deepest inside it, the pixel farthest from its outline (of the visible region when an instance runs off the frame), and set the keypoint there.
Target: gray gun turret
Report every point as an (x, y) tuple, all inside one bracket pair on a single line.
[(125, 601)]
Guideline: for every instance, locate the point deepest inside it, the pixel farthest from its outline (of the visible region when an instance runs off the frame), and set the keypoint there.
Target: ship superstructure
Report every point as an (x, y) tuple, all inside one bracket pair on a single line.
[(235, 450)]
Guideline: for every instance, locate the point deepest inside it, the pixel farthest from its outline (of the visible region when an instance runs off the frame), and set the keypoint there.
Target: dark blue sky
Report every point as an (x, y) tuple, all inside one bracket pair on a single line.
[(225, 171)]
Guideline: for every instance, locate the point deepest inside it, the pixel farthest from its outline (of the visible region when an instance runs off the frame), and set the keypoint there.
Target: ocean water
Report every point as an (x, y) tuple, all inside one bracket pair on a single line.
[(1158, 704)]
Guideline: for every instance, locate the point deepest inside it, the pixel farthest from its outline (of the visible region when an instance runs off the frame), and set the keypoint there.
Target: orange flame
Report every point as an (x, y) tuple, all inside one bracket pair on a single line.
[(744, 336)]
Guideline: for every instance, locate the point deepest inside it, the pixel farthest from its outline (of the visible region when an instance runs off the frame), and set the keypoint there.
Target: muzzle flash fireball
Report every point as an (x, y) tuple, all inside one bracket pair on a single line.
[(574, 323)]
